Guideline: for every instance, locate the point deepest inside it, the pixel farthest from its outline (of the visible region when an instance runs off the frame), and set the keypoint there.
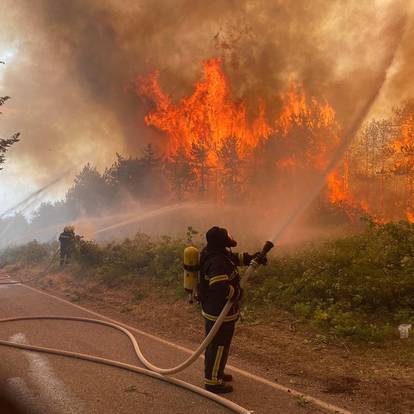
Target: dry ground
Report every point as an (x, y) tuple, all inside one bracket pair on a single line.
[(365, 378)]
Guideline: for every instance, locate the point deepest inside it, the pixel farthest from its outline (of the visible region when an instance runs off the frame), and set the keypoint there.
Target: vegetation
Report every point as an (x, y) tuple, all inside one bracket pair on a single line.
[(29, 253), (360, 286), (5, 144), (376, 178)]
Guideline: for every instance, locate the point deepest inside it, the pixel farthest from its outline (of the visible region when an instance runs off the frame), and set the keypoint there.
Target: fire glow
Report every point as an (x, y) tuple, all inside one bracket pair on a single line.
[(300, 136), (209, 118)]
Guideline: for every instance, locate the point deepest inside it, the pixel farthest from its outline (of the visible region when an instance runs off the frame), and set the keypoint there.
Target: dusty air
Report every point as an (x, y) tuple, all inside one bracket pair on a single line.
[(206, 207)]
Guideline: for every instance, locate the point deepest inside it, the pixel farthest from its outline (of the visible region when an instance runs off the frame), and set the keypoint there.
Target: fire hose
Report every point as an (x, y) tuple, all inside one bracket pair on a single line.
[(37, 276), (152, 370)]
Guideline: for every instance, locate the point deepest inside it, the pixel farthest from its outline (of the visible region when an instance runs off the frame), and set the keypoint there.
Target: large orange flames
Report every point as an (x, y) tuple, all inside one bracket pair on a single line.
[(305, 130), (207, 117), (210, 117)]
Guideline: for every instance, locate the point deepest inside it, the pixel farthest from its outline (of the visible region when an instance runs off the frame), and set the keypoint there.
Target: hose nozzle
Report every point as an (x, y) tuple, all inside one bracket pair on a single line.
[(261, 258), (267, 247)]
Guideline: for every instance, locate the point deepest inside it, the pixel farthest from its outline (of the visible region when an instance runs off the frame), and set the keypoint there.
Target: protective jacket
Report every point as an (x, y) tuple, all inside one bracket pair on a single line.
[(220, 281), (67, 239)]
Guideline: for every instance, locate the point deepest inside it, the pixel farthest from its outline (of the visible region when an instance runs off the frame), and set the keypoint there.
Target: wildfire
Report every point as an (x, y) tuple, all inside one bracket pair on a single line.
[(211, 121), (337, 189), (207, 117)]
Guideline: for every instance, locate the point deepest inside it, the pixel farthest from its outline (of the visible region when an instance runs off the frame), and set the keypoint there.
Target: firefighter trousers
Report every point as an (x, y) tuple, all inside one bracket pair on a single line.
[(217, 352), (65, 254)]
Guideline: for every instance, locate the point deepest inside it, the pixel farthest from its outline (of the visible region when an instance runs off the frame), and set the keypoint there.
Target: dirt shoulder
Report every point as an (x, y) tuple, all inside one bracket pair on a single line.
[(364, 378)]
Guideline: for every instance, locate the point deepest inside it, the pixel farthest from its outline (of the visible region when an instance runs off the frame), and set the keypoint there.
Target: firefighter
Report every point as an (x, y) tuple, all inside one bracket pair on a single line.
[(220, 281), (67, 243)]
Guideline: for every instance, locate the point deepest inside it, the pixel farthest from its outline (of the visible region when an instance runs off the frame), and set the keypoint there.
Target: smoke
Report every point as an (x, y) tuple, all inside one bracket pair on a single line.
[(74, 59)]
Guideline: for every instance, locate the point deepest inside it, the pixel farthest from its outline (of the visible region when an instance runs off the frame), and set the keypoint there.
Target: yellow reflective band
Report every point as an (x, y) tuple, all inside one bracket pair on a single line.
[(213, 318), (218, 278), (217, 362), (209, 317), (210, 382), (231, 317), (241, 259)]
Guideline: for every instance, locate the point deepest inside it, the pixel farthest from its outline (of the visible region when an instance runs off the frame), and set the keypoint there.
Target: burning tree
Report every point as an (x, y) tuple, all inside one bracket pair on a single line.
[(402, 150), (180, 174), (231, 166), (212, 132), (378, 173)]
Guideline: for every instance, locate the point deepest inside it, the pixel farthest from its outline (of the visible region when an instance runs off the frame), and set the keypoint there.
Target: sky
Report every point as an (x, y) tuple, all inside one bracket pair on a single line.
[(70, 65)]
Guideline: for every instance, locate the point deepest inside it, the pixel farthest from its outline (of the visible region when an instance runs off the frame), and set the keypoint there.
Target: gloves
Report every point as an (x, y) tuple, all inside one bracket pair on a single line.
[(260, 259)]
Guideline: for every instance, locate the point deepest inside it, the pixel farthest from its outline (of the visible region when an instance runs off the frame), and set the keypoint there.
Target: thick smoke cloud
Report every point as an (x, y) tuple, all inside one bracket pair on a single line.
[(75, 58)]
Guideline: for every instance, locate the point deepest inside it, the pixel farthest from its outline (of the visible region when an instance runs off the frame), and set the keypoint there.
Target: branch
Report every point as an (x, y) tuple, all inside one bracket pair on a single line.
[(3, 99), (5, 144)]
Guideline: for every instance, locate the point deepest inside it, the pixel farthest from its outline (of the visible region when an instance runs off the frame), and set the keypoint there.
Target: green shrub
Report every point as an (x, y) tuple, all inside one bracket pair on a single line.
[(90, 253), (358, 286), (29, 253)]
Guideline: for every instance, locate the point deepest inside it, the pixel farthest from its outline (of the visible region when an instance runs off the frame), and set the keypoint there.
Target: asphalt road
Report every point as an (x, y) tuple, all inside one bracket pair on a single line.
[(58, 385)]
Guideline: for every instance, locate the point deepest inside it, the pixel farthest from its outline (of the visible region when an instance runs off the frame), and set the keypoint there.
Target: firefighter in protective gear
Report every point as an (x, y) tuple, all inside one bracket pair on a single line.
[(67, 243), (220, 281)]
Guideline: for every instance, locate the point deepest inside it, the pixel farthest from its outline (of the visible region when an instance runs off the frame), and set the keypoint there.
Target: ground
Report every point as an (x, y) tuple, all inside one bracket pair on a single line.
[(375, 378)]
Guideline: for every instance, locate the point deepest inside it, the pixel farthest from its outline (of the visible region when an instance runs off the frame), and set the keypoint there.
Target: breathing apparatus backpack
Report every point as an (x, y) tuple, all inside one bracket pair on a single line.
[(191, 264)]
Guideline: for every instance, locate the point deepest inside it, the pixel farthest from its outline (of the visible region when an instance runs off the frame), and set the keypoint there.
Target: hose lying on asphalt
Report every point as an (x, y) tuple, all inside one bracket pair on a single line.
[(204, 393), (196, 354), (153, 370), (9, 282)]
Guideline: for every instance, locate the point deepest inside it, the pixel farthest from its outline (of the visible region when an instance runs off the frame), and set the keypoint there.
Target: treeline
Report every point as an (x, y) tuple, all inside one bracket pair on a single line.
[(378, 172), (135, 179), (377, 176)]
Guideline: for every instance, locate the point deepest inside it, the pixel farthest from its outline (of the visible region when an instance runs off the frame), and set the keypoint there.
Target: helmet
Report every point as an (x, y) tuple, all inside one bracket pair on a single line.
[(69, 229), (218, 237)]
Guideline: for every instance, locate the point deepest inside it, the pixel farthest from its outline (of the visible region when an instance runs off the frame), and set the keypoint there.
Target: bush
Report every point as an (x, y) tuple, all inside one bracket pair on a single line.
[(360, 286), (356, 286), (134, 258), (32, 252)]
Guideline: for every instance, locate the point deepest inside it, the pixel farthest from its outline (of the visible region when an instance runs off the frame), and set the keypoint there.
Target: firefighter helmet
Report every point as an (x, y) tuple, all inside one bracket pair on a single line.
[(218, 237)]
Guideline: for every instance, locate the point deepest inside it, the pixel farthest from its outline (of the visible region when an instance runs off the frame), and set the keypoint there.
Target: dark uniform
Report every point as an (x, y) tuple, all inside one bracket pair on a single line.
[(219, 282), (67, 243)]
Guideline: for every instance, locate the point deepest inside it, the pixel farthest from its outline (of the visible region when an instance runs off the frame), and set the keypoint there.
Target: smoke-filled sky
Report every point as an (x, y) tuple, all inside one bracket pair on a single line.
[(69, 65)]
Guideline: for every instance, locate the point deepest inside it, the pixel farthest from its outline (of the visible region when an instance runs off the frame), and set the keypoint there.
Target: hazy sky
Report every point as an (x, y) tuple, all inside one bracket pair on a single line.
[(69, 62)]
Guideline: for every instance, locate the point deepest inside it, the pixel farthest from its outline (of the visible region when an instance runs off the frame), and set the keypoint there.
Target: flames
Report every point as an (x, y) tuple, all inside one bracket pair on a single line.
[(210, 119), (338, 192), (403, 165), (207, 118), (223, 142)]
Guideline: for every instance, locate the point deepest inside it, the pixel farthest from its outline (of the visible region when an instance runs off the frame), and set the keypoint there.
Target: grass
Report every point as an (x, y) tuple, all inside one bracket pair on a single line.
[(359, 286)]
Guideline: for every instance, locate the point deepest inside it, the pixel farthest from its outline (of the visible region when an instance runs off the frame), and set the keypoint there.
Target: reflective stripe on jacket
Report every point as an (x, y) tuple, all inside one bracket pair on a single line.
[(220, 276)]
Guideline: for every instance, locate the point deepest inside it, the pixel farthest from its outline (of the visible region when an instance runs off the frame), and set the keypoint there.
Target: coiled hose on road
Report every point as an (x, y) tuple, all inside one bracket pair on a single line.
[(153, 370)]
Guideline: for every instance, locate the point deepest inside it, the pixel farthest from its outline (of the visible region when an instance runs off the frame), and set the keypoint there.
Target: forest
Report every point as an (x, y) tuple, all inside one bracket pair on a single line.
[(211, 150)]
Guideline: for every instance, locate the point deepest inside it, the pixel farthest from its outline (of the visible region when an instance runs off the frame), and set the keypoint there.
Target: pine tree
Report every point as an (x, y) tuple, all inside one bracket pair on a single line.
[(199, 163), (180, 174), (90, 191), (231, 169)]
